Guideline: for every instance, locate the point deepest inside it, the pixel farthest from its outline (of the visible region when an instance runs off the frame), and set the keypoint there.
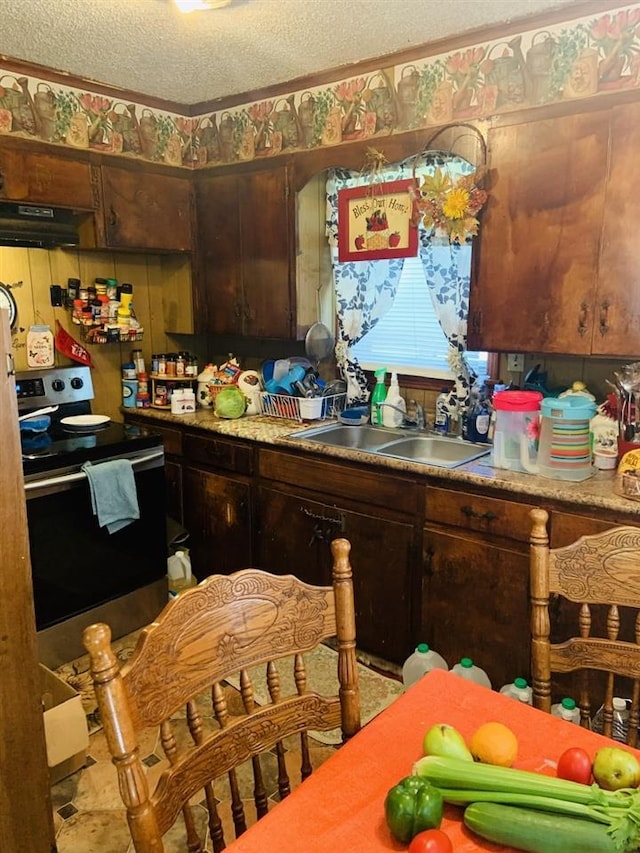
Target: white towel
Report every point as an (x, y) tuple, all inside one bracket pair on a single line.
[(113, 493)]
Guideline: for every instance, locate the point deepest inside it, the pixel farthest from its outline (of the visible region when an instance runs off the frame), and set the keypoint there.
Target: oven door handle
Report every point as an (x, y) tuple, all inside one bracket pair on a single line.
[(80, 475)]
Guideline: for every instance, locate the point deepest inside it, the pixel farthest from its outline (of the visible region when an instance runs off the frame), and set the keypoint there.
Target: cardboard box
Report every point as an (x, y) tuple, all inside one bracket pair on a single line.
[(65, 726)]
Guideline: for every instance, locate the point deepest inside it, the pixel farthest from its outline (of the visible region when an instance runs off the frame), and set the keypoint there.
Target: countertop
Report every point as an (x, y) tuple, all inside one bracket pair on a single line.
[(597, 491)]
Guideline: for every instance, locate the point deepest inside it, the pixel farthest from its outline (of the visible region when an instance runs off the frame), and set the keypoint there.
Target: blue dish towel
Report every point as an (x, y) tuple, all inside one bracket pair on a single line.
[(113, 493)]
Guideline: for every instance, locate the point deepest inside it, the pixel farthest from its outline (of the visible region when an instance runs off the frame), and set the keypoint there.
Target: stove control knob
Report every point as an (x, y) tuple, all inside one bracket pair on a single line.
[(76, 382), (57, 385)]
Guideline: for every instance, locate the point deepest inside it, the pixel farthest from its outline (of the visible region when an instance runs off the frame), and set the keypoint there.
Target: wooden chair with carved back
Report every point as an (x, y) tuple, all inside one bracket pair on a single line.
[(585, 620), (225, 626)]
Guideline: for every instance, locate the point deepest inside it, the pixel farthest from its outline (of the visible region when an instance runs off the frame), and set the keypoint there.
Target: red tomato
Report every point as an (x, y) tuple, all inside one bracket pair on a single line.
[(431, 841), (575, 765)]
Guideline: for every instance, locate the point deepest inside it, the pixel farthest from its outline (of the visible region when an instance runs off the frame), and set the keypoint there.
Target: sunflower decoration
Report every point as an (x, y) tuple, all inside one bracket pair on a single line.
[(449, 207)]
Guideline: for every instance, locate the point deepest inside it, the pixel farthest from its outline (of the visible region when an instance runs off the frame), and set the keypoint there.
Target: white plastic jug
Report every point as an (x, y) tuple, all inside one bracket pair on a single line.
[(520, 690), (566, 710), (467, 669), (420, 662), (179, 575)]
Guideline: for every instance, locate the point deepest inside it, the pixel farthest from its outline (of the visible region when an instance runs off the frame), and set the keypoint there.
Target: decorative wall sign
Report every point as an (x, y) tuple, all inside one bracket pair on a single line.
[(374, 222)]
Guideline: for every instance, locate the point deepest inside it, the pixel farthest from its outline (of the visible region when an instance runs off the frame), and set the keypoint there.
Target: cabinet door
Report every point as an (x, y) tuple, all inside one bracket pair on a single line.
[(540, 236), (217, 512), (244, 256), (266, 226), (145, 210), (173, 486), (617, 327), (295, 535), (475, 603), (47, 179), (218, 281)]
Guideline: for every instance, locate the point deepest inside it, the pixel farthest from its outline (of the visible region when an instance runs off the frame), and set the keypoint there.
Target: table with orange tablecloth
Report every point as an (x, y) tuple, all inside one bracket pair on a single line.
[(340, 807)]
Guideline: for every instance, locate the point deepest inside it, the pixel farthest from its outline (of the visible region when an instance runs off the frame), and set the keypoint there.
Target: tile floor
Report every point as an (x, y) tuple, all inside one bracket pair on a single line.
[(88, 813)]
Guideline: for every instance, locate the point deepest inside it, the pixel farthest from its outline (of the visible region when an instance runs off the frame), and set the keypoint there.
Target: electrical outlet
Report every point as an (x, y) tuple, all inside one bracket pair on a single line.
[(515, 362)]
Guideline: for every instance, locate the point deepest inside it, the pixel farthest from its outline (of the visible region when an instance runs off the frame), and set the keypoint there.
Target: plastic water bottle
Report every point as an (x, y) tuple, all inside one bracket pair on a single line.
[(420, 662), (467, 669), (620, 727), (520, 690), (566, 710)]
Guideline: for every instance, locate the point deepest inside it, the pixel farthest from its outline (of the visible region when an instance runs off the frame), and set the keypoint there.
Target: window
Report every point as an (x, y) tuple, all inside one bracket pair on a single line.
[(408, 339)]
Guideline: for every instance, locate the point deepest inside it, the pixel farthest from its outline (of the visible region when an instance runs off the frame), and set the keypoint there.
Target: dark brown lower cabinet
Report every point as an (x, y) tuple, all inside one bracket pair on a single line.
[(217, 512), (475, 603), (295, 532)]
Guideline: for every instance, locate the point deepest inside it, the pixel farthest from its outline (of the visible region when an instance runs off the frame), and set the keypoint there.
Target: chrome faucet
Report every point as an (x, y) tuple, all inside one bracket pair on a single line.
[(409, 423)]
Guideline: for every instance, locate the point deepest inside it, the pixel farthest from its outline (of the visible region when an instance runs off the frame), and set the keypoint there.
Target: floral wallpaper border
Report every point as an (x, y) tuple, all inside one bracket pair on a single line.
[(583, 57)]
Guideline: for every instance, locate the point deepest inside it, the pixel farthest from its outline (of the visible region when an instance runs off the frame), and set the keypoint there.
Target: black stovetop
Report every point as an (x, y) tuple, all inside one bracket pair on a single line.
[(59, 449)]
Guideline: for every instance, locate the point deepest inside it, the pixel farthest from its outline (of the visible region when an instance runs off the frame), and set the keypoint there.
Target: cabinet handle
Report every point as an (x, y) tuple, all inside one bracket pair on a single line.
[(604, 317), (214, 450), (470, 512), (113, 218), (237, 310), (337, 522), (582, 318), (427, 569)]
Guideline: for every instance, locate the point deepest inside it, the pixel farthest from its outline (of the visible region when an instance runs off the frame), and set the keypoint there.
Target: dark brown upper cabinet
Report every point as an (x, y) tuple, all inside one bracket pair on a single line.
[(145, 210), (537, 264), (43, 177), (558, 253), (245, 238)]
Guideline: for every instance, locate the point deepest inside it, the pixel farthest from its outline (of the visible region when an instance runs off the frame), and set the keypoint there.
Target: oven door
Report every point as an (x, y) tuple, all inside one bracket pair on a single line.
[(77, 565)]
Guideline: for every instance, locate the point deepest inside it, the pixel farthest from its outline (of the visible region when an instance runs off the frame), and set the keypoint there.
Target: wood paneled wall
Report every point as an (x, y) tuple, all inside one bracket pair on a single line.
[(162, 301)]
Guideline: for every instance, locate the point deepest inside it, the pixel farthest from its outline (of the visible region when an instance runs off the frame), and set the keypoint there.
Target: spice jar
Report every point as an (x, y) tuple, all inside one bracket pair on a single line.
[(171, 364), (138, 359)]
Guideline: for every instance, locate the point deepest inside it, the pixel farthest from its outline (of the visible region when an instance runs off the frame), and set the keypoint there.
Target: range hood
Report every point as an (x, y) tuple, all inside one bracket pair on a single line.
[(37, 226)]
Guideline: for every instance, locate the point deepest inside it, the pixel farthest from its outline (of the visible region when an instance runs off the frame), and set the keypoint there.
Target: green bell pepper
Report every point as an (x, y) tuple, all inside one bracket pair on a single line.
[(411, 806)]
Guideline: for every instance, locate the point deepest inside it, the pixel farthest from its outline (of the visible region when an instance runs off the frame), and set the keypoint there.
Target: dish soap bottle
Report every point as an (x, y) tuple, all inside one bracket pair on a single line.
[(393, 417), (379, 396), (441, 420)]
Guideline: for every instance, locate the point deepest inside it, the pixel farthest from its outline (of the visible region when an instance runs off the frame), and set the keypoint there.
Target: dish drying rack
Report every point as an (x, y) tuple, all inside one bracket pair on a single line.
[(302, 408)]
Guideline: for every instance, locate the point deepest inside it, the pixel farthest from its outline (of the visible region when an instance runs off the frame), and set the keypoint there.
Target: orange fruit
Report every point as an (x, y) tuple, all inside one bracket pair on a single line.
[(494, 743)]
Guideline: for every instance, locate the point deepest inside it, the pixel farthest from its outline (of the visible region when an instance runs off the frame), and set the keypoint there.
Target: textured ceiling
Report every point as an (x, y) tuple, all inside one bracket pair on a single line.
[(149, 47)]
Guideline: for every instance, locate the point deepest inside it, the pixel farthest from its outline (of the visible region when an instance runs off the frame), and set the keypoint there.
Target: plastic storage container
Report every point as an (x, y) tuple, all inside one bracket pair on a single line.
[(422, 660), (467, 669), (520, 690), (564, 451), (517, 418), (620, 727), (566, 710)]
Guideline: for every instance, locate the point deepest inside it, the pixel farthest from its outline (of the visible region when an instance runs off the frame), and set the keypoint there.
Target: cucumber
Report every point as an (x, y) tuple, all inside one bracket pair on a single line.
[(537, 832)]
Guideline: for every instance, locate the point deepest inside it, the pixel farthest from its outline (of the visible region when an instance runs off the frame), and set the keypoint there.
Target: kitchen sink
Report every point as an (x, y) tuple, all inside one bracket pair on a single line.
[(396, 443), (434, 450), (363, 437)]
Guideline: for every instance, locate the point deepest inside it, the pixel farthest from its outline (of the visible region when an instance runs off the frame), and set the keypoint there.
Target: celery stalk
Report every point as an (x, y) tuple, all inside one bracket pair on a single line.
[(462, 782)]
